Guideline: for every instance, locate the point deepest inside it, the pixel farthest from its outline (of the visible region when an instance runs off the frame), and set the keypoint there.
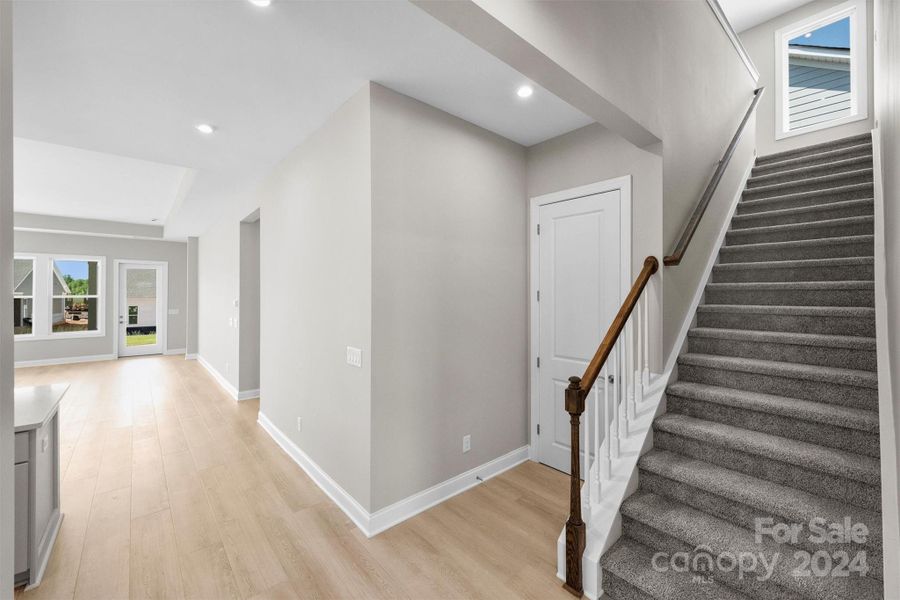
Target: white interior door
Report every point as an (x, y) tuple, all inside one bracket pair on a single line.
[(579, 281), (141, 317)]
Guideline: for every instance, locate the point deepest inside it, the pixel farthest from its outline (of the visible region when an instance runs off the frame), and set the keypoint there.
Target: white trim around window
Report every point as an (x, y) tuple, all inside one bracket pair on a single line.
[(859, 49), (42, 314)]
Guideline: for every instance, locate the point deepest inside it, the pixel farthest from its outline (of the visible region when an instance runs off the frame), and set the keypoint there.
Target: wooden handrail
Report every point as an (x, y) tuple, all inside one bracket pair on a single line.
[(579, 387), (691, 227), (575, 396), (651, 265)]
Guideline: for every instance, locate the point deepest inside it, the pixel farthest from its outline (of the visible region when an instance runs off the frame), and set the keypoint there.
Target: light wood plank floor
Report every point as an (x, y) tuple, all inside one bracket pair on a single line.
[(171, 490)]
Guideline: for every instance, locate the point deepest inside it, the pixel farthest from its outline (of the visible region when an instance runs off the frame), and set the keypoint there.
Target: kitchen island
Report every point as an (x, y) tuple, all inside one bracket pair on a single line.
[(37, 505)]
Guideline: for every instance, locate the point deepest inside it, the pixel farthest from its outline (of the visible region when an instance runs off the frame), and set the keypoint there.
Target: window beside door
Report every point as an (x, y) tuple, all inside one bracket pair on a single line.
[(821, 71), (57, 296), (23, 296), (75, 286)]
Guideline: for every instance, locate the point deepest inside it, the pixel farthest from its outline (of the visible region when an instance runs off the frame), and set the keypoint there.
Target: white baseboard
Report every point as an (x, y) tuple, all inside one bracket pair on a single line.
[(248, 394), (220, 379), (173, 351), (191, 356), (66, 360), (374, 523)]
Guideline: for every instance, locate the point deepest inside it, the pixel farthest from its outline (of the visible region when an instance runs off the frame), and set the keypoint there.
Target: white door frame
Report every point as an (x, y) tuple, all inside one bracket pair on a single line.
[(162, 297), (623, 184)]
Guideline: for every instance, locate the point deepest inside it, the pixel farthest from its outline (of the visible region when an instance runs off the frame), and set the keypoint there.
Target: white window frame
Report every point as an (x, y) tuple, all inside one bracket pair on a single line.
[(42, 293), (101, 271), (33, 296), (859, 70)]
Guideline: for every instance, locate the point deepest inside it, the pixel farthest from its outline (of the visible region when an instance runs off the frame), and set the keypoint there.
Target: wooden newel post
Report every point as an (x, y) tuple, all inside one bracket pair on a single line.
[(575, 525)]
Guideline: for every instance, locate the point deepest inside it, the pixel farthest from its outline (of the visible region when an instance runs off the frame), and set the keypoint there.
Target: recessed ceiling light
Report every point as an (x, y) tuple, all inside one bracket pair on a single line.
[(205, 128), (261, 3), (525, 91)]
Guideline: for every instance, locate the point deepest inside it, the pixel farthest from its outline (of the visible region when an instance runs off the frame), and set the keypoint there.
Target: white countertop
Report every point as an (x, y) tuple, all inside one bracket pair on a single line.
[(36, 405)]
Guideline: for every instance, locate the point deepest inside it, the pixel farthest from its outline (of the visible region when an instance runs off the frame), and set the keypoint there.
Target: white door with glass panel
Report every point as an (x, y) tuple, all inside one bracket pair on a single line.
[(141, 320), (579, 279)]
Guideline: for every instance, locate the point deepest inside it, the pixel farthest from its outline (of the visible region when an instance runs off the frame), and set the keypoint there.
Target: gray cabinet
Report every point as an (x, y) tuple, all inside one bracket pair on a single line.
[(22, 484), (37, 500)]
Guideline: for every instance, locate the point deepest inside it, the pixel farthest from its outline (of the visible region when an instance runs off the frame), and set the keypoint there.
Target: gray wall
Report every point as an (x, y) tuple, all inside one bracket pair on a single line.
[(672, 68), (316, 296), (175, 253), (450, 296), (593, 154), (248, 326), (760, 44), (7, 524), (218, 287), (887, 114), (191, 343)]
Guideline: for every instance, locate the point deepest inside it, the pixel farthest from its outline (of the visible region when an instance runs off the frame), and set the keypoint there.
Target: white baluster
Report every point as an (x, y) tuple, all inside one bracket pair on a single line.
[(614, 442), (641, 350), (607, 424), (586, 506), (629, 372), (646, 340), (598, 428)]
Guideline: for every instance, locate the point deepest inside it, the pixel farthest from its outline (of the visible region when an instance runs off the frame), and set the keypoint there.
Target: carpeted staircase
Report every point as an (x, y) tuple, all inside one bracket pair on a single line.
[(775, 411)]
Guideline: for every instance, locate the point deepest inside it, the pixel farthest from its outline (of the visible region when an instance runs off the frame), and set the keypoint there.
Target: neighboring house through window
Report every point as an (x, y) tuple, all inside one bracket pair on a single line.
[(23, 295), (57, 296), (821, 70)]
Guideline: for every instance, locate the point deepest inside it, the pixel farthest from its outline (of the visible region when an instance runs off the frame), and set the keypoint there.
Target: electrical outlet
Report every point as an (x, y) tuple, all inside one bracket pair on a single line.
[(299, 423), (467, 443), (354, 356)]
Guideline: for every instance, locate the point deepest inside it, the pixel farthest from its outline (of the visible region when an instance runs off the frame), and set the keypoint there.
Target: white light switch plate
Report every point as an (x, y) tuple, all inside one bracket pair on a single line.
[(354, 356)]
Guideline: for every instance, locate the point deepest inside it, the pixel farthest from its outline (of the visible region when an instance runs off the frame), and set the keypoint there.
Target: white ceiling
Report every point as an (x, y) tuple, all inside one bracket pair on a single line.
[(745, 14), (60, 180), (131, 79)]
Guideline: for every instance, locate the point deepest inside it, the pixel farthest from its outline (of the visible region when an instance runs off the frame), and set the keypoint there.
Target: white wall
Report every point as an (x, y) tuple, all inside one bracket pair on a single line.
[(248, 329), (673, 69), (7, 523), (449, 296), (316, 296), (218, 287), (887, 243), (760, 44), (191, 342), (593, 154), (175, 253)]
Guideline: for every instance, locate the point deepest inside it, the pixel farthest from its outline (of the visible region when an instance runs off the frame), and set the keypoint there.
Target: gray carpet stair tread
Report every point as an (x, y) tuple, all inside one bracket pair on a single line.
[(850, 239), (631, 561), (790, 504), (794, 452), (843, 221), (777, 337), (825, 156), (751, 205), (837, 375), (802, 210), (806, 410), (696, 528), (805, 171), (855, 140), (812, 263), (821, 179), (794, 285), (805, 311)]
